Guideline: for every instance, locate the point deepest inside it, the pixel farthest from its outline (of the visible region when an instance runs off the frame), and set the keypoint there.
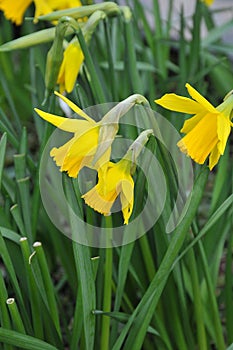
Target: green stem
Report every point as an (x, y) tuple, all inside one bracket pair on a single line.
[(10, 100), (131, 60), (228, 290), (4, 316), (197, 302), (107, 292), (159, 48), (220, 344), (15, 315), (94, 79), (48, 285), (194, 55), (33, 290), (77, 322), (147, 257), (110, 61), (18, 218), (24, 191)]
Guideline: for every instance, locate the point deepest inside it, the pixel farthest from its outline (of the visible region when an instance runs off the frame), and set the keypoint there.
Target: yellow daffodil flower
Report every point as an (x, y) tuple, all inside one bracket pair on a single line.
[(207, 132), (117, 181), (81, 148), (73, 56), (91, 144), (72, 61), (14, 10)]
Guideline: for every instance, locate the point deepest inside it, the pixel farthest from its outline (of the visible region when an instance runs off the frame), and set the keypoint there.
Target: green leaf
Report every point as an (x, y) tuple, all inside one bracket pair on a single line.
[(84, 272), (141, 317), (23, 341), (2, 154), (9, 234)]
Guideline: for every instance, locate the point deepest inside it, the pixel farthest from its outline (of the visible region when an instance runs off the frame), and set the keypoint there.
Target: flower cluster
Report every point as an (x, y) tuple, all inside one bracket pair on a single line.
[(206, 136), (206, 133), (90, 147)]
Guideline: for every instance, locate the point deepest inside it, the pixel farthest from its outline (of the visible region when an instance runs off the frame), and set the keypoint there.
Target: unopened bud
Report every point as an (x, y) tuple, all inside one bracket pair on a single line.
[(55, 56)]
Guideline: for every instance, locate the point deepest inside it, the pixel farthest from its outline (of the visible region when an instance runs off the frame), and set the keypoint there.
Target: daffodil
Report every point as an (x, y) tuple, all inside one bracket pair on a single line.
[(14, 10), (72, 61), (81, 148), (117, 182), (91, 143), (208, 2), (73, 56), (208, 130)]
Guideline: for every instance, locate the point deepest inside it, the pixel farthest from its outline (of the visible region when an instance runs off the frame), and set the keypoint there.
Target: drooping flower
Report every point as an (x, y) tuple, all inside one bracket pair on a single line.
[(91, 144), (72, 61), (208, 130), (117, 181), (14, 10)]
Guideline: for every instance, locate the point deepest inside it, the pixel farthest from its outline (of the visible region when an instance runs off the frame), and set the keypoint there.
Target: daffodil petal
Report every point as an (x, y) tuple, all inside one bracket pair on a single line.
[(178, 103), (75, 108), (127, 198), (62, 4), (102, 164), (14, 10), (223, 130), (199, 142), (117, 181), (61, 77), (102, 204), (66, 124), (200, 99), (189, 124), (60, 153), (42, 8), (74, 61), (81, 152), (214, 157)]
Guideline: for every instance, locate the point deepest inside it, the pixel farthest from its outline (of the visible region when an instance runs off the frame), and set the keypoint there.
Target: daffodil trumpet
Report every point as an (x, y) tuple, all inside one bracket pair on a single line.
[(117, 182), (208, 130)]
